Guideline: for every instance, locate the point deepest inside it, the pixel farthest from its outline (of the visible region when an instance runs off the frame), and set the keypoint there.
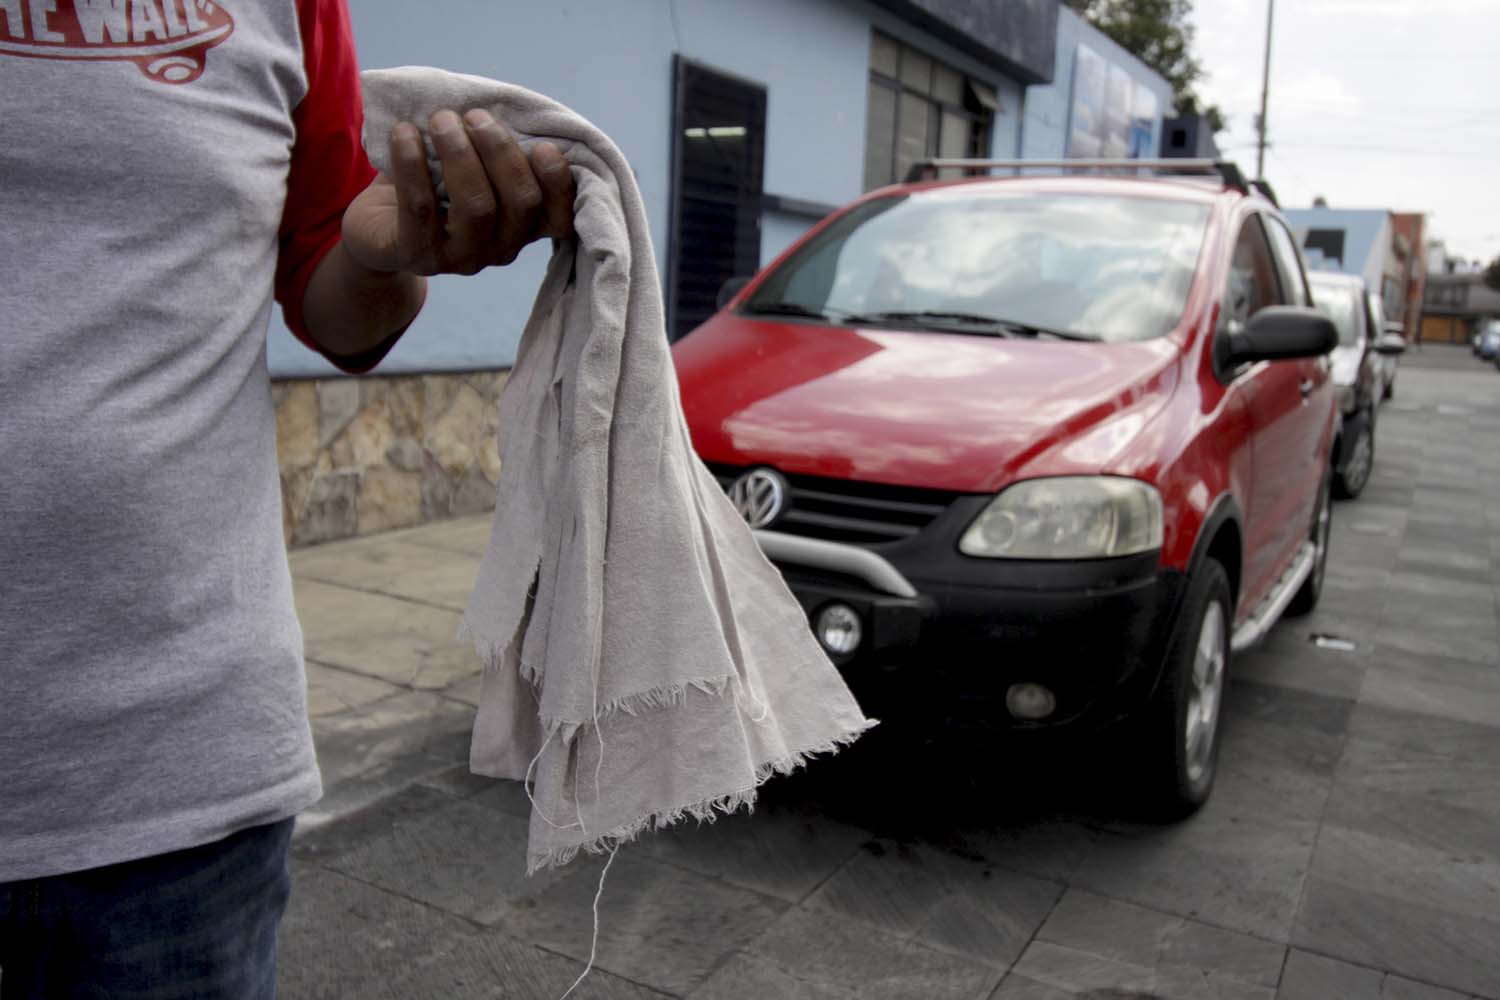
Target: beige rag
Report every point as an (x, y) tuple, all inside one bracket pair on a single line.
[(644, 662)]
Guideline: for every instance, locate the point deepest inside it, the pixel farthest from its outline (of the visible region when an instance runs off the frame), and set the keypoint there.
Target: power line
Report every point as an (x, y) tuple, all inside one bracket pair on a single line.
[(1372, 148)]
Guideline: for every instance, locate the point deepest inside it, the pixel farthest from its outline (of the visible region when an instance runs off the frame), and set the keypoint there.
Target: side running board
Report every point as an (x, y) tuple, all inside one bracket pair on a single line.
[(1258, 624)]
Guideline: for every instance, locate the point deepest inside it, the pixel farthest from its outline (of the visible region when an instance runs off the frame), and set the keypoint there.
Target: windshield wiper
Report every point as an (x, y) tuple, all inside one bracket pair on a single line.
[(996, 324)]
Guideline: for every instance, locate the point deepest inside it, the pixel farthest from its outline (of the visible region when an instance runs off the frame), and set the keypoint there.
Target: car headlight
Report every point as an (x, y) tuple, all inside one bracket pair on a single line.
[(1072, 517)]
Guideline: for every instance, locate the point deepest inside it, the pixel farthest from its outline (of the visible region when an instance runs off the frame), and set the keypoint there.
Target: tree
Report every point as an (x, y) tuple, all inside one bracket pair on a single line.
[(1492, 274), (1159, 34)]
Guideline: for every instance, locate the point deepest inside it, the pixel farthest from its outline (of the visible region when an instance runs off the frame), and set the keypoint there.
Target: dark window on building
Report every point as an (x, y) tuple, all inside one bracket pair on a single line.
[(1446, 294), (919, 107), (1329, 242), (719, 145)]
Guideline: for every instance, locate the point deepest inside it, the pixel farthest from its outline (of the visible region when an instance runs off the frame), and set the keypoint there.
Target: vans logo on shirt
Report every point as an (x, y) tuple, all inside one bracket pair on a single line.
[(168, 39)]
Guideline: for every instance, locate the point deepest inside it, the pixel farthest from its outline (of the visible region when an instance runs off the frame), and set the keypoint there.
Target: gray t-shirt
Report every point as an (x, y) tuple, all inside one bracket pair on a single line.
[(152, 694)]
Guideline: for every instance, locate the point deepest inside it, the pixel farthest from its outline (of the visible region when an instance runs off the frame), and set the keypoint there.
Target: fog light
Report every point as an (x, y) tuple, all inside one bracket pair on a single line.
[(838, 629), (1030, 701)]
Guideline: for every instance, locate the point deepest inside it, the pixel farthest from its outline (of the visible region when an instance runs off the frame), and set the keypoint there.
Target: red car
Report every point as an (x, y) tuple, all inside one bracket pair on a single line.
[(1034, 450)]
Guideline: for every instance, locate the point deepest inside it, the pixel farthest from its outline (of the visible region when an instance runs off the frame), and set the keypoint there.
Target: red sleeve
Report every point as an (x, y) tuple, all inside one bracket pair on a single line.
[(328, 167)]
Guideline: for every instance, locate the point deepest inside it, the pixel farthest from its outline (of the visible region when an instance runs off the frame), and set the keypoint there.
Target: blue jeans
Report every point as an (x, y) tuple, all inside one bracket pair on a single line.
[(193, 923)]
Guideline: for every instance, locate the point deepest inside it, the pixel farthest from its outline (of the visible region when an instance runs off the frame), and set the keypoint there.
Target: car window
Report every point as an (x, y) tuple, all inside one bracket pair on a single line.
[(1289, 262), (1083, 265), (1343, 304), (1253, 284)]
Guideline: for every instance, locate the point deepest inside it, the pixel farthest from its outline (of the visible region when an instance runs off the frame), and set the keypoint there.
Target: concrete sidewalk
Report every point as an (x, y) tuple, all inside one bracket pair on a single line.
[(1351, 850)]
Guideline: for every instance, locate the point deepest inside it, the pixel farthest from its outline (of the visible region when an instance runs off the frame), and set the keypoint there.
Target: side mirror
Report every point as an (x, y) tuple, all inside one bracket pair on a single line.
[(1277, 333), (1390, 342), (730, 289)]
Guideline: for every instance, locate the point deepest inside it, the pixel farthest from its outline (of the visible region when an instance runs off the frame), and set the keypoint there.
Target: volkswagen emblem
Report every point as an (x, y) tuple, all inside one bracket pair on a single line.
[(760, 496)]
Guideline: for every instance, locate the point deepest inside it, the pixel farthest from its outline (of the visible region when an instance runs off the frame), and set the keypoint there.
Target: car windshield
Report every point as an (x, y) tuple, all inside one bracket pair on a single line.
[(1341, 303), (1079, 266)]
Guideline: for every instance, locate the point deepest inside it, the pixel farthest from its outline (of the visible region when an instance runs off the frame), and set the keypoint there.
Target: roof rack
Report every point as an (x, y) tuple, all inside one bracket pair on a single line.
[(1228, 171), (1264, 187)]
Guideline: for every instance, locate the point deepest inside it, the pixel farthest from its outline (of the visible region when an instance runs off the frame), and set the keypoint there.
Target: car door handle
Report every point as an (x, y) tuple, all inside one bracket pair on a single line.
[(1306, 387)]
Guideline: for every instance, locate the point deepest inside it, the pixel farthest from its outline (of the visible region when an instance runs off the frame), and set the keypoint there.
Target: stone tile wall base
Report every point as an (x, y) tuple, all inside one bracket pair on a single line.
[(363, 455)]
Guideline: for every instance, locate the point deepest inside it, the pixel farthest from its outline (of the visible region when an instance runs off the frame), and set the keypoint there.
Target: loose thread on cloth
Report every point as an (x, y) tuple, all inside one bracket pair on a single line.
[(594, 945)]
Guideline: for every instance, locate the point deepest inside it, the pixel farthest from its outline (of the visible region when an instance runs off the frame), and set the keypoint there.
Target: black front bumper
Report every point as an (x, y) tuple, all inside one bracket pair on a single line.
[(1094, 632)]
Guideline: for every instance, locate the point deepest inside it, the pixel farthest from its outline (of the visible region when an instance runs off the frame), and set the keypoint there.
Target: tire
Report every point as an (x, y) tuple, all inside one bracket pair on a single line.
[(1351, 480), (1181, 731), (1312, 588)]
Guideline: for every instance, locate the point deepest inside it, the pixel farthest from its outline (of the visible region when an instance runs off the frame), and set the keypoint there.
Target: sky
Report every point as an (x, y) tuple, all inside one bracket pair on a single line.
[(1373, 104)]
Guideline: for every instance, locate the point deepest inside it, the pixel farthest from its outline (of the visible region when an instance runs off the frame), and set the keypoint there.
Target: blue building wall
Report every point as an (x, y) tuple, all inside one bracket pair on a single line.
[(1367, 237), (1045, 132), (612, 62)]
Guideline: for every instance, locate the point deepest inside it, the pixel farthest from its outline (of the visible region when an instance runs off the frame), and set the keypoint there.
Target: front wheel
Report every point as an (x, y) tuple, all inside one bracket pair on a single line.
[(1182, 722), (1351, 480)]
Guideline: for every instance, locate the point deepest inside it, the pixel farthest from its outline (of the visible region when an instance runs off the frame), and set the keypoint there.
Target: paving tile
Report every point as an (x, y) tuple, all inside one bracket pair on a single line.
[(1476, 647), (465, 534), (780, 851), (1269, 770), (1441, 598), (1425, 685), (465, 690), (1417, 595), (1419, 820), (342, 938), (943, 901), (1018, 987), (1417, 942), (1428, 735), (331, 690), (509, 797), (1121, 932), (395, 567), (352, 742), (1403, 771), (461, 783), (748, 976), (1314, 977), (376, 635), (1228, 869), (1301, 665), (1045, 848), (1397, 988), (320, 842), (496, 967), (1462, 884), (1288, 707), (831, 951), (460, 857), (661, 926), (1077, 973)]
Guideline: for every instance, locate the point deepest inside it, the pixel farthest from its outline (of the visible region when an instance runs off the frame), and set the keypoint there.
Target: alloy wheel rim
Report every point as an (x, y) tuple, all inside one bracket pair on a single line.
[(1360, 462), (1205, 694)]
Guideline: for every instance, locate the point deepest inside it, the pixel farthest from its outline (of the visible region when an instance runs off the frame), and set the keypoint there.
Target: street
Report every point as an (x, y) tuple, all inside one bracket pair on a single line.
[(1351, 848)]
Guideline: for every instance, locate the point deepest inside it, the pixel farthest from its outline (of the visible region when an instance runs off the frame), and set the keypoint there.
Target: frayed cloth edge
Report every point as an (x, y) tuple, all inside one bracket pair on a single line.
[(704, 810), (492, 656)]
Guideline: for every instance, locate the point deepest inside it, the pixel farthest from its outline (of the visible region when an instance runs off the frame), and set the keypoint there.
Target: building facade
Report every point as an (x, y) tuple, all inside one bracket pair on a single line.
[(1368, 243), (1454, 304), (744, 123)]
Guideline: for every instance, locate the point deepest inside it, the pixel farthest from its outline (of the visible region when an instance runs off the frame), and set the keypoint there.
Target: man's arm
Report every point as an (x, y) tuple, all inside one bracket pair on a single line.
[(370, 286)]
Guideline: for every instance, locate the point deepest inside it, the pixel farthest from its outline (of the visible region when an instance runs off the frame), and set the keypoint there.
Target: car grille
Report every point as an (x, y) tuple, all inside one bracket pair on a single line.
[(842, 510)]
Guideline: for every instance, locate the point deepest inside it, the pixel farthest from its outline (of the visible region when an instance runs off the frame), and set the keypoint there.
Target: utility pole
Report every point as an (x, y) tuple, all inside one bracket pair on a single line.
[(1265, 89)]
